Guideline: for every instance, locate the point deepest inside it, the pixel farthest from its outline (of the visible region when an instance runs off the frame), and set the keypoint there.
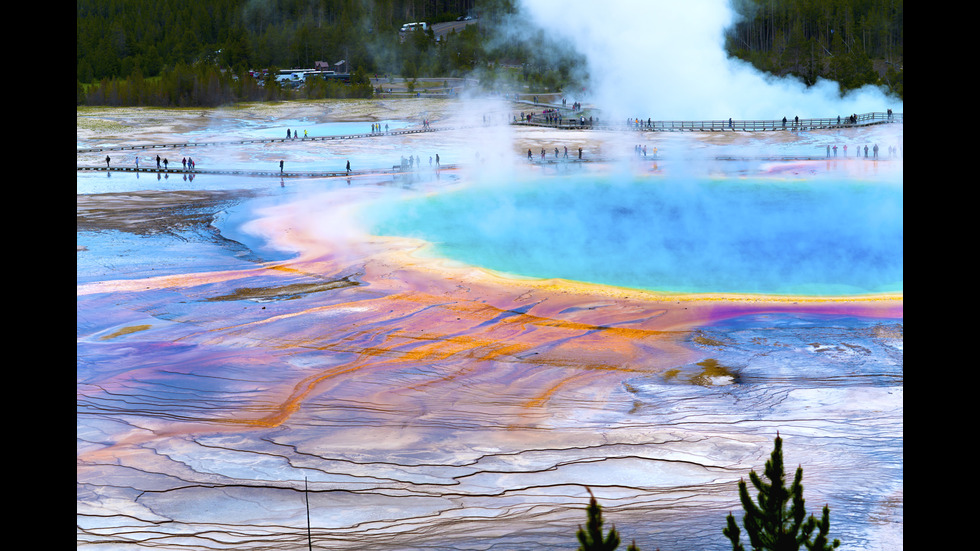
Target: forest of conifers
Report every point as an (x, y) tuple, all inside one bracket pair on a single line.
[(179, 53), (853, 42)]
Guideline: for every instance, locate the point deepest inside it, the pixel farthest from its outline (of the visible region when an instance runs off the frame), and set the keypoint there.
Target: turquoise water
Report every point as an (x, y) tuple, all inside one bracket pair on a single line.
[(819, 237)]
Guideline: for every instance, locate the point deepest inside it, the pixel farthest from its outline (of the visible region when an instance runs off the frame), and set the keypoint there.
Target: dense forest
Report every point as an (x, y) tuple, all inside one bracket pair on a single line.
[(852, 42), (180, 53)]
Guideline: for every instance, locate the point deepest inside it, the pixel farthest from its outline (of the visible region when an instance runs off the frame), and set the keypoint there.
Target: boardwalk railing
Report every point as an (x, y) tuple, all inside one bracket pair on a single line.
[(256, 140), (649, 125)]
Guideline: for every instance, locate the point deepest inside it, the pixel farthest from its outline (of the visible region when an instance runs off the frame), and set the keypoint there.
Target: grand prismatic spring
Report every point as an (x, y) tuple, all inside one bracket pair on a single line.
[(451, 354), (246, 343)]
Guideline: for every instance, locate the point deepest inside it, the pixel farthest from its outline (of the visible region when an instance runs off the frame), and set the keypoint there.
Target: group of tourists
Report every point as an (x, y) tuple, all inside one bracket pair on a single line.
[(892, 151), (553, 116), (637, 124), (295, 134), (415, 163), (187, 162), (530, 155), (640, 150)]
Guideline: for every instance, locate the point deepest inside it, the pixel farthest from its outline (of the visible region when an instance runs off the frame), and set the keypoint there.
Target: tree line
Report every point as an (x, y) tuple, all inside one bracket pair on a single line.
[(178, 53), (209, 86), (852, 42)]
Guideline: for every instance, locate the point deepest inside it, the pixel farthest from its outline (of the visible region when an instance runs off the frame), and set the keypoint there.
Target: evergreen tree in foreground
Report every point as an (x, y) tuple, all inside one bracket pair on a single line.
[(777, 523), (591, 538)]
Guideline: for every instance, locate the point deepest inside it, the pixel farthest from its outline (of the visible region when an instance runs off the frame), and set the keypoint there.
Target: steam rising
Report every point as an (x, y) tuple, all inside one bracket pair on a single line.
[(666, 60), (819, 237)]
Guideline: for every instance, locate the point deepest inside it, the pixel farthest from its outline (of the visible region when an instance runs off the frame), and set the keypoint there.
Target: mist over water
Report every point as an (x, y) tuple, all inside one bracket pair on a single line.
[(682, 232), (819, 238)]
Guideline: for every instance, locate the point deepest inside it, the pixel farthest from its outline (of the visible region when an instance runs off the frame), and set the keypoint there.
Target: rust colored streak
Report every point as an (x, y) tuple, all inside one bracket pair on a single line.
[(461, 342)]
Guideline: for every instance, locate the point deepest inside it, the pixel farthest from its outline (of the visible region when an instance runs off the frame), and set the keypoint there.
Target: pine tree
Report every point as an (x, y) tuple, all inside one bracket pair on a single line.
[(779, 521), (591, 538)]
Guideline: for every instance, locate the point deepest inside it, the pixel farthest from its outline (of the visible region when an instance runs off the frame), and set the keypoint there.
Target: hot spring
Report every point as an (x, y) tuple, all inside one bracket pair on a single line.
[(823, 236)]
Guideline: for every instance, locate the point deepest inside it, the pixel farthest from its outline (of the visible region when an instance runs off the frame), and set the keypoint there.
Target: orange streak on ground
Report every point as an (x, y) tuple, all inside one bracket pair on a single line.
[(464, 323)]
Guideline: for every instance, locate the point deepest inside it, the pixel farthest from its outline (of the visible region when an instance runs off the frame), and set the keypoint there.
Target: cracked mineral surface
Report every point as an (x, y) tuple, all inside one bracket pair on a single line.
[(243, 346)]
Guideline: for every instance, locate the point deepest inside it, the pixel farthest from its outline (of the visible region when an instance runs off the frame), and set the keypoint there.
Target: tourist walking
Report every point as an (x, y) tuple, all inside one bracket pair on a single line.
[(348, 167), (280, 167), (107, 161)]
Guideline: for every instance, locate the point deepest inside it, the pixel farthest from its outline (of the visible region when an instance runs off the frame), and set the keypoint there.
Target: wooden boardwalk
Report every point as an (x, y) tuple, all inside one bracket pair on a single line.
[(257, 140), (264, 173), (398, 170), (573, 122), (636, 125)]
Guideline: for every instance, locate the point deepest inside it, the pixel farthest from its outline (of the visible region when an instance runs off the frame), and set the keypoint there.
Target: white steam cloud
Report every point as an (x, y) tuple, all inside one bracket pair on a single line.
[(666, 60)]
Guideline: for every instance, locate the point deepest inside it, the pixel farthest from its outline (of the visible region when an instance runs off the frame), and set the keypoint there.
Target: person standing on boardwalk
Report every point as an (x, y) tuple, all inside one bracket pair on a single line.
[(158, 161), (280, 167), (165, 163), (107, 161), (348, 167)]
